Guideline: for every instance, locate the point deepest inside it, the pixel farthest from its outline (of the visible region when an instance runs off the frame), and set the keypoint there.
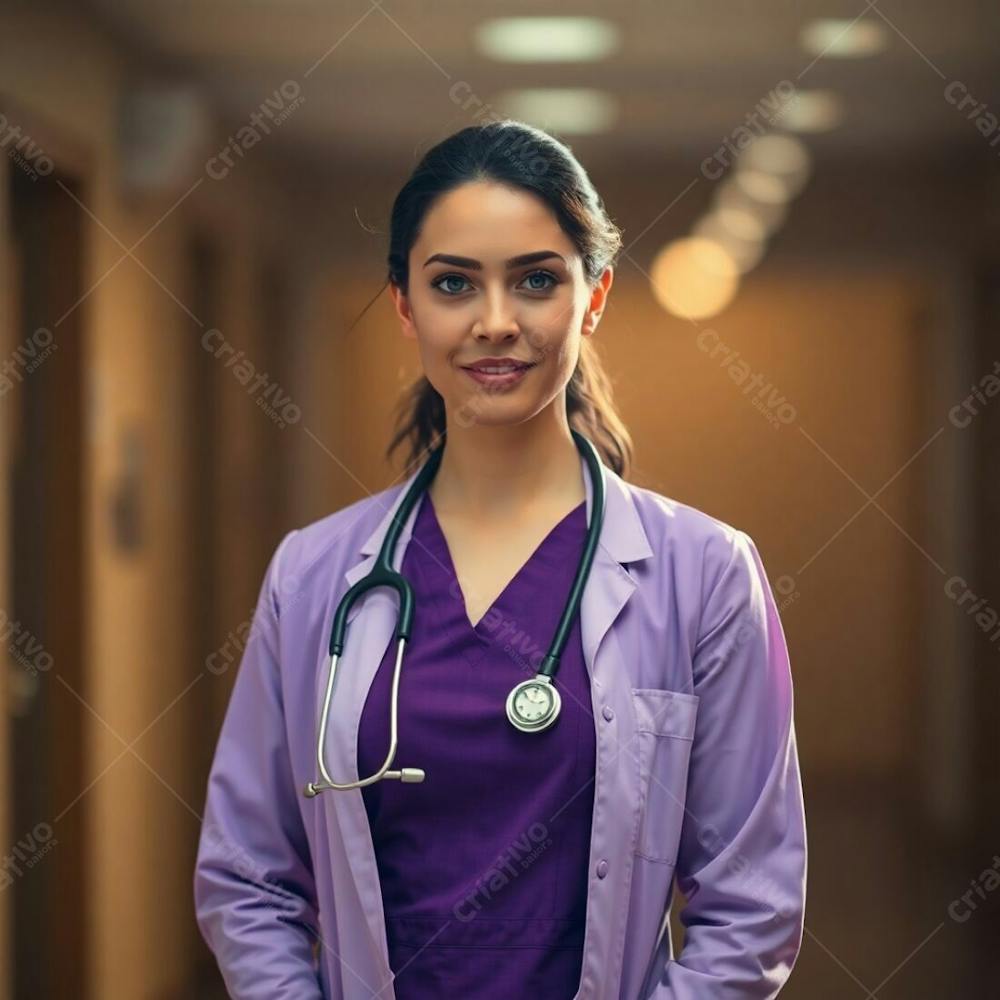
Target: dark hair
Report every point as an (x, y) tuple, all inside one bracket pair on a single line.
[(517, 154)]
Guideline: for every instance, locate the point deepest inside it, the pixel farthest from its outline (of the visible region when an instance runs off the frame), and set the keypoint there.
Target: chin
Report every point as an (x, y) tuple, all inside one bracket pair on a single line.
[(488, 411)]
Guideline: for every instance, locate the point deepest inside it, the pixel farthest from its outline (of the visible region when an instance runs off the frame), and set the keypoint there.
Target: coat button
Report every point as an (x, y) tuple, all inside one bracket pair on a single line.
[(608, 713), (602, 868)]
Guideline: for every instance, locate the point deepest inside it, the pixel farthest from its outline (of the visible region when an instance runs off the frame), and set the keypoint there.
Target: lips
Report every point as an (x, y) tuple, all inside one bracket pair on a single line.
[(498, 374), (498, 366)]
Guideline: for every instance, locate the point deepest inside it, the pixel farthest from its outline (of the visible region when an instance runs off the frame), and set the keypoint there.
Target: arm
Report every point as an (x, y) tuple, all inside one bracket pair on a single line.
[(255, 898), (742, 858)]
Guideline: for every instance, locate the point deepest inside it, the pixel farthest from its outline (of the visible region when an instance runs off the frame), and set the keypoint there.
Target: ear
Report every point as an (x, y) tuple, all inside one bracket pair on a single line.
[(598, 300), (403, 310)]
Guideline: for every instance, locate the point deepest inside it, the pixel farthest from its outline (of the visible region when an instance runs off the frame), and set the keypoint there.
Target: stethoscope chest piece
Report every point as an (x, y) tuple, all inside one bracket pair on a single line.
[(533, 704)]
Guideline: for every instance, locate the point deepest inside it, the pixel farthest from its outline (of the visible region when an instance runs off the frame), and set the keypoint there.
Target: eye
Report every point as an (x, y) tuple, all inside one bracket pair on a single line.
[(541, 274), (547, 278), (439, 283)]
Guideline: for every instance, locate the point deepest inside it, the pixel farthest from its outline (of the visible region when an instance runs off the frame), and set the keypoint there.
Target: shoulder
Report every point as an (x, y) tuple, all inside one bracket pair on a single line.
[(332, 540), (700, 558), (680, 529), (710, 570)]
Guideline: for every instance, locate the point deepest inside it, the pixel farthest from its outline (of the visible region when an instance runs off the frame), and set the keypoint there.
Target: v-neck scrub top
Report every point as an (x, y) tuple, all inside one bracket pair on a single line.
[(483, 865)]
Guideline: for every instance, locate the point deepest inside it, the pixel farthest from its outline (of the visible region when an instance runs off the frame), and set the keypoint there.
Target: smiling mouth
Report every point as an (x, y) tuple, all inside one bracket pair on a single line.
[(504, 369), (498, 377)]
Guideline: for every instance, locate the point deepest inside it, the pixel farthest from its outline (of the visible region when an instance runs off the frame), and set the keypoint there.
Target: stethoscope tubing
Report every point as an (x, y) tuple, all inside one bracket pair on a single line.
[(382, 574)]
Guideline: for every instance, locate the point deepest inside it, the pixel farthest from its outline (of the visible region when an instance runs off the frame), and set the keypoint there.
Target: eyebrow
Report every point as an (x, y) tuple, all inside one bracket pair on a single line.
[(475, 265)]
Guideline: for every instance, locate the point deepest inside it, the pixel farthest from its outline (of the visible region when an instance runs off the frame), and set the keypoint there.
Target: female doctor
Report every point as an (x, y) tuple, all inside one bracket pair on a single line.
[(480, 783)]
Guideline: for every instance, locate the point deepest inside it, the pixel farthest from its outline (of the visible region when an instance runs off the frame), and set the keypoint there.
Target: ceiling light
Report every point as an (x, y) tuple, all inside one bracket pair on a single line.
[(768, 189), (547, 39), (568, 111), (729, 196), (841, 38), (746, 254), (811, 111), (694, 277), (742, 223), (783, 156)]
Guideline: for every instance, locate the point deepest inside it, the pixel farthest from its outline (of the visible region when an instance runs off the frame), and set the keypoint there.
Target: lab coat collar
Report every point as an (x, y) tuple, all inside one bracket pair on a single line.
[(622, 535)]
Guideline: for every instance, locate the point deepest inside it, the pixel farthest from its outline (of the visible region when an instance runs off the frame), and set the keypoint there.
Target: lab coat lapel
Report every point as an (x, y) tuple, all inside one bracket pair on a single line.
[(610, 585), (367, 637)]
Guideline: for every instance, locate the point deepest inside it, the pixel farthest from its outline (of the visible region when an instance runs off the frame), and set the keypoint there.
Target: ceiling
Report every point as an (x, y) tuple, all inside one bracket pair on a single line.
[(381, 79)]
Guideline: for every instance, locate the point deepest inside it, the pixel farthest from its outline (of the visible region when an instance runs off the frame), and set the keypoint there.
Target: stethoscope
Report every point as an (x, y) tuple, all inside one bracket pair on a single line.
[(532, 705)]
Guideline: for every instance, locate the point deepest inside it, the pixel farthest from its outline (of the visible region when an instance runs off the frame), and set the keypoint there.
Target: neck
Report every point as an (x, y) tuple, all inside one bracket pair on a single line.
[(494, 471)]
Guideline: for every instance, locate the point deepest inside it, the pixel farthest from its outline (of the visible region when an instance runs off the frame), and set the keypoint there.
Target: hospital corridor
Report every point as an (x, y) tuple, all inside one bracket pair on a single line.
[(200, 359)]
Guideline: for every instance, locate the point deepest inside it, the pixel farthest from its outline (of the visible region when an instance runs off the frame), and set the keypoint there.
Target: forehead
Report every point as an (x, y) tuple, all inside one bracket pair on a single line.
[(490, 222)]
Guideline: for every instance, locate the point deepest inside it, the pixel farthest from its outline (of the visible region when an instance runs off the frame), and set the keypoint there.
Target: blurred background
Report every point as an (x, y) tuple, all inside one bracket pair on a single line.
[(803, 336)]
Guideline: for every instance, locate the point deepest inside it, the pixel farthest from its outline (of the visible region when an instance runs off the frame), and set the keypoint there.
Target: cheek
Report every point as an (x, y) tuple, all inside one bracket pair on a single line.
[(436, 334), (438, 345), (555, 338), (434, 356)]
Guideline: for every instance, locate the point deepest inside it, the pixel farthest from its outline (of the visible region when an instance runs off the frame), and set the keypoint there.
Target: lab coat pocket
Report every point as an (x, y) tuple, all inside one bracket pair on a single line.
[(665, 722)]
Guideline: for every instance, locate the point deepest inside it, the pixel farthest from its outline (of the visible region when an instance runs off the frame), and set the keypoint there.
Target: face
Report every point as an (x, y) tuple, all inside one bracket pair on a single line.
[(493, 276)]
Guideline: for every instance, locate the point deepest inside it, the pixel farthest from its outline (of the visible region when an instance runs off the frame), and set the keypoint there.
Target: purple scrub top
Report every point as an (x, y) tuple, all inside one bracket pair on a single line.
[(483, 865)]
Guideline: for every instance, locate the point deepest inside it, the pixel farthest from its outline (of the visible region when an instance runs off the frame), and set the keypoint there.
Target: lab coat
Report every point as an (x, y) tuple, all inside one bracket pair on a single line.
[(696, 767)]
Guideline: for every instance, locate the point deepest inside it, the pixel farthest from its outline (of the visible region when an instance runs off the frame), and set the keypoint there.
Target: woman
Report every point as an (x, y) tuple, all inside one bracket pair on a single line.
[(534, 863)]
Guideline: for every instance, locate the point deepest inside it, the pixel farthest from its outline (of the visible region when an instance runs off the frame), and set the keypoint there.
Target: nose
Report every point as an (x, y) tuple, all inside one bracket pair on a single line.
[(498, 319)]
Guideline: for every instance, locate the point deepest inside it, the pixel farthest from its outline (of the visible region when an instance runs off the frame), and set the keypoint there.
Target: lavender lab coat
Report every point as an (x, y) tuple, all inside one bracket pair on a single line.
[(696, 772)]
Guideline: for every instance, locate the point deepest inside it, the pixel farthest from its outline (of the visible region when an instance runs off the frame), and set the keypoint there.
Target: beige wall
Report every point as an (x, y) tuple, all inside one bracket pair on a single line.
[(144, 820)]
